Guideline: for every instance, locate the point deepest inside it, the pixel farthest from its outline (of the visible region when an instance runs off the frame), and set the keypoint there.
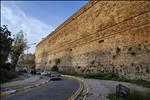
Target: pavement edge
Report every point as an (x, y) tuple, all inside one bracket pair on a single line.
[(18, 90)]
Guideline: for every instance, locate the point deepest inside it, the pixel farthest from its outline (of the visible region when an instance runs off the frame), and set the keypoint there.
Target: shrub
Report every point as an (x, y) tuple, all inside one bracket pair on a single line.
[(7, 75)]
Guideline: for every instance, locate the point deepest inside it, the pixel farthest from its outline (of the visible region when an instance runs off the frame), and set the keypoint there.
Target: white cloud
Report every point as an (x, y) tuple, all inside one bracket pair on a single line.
[(18, 20)]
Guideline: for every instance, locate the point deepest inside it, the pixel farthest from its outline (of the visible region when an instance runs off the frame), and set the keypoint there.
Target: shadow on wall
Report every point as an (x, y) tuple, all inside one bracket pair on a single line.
[(65, 62), (44, 61)]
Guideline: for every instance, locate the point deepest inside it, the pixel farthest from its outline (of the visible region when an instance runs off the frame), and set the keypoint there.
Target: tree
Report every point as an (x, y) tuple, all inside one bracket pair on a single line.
[(5, 45), (18, 47)]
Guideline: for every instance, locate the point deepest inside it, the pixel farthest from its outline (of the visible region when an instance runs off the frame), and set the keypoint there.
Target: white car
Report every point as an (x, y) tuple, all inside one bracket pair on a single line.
[(44, 73)]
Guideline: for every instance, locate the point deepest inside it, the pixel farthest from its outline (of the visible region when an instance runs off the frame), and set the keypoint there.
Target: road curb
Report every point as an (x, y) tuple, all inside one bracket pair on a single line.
[(87, 92), (18, 90), (80, 89), (3, 93)]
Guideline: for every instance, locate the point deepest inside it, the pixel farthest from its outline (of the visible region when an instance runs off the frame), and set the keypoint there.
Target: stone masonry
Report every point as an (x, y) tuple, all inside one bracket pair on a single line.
[(103, 36), (27, 60)]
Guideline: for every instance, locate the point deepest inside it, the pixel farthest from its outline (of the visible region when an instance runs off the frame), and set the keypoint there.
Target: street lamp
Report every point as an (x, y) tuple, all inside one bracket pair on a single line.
[(28, 49)]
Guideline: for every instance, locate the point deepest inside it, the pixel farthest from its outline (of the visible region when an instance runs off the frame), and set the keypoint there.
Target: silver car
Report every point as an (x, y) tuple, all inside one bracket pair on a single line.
[(55, 76)]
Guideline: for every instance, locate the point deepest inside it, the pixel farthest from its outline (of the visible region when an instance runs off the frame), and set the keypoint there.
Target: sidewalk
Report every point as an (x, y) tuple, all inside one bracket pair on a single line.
[(29, 82), (19, 83), (99, 89)]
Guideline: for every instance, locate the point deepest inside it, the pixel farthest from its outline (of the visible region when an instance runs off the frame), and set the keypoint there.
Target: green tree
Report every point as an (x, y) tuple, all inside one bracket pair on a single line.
[(5, 46), (18, 47)]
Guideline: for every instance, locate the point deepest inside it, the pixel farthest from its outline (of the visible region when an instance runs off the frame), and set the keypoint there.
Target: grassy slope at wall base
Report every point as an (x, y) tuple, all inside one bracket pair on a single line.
[(139, 82), (135, 95), (108, 76)]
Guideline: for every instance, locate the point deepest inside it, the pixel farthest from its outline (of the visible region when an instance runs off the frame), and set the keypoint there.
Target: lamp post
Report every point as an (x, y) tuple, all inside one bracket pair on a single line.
[(29, 47), (28, 50)]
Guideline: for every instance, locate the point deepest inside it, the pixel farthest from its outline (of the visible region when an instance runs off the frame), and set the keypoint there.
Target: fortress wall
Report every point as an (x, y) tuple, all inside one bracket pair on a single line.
[(104, 36)]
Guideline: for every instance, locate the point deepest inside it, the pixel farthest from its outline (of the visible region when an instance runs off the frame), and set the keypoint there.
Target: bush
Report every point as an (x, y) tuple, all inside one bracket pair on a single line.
[(7, 75)]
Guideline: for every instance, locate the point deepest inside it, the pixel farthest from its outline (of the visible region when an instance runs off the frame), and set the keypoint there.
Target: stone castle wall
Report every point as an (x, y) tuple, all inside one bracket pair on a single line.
[(104, 36)]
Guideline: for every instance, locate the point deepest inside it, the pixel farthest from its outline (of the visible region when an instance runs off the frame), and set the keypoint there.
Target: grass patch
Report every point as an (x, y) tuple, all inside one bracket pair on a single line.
[(108, 76), (71, 73), (139, 82), (112, 96), (135, 95), (104, 76)]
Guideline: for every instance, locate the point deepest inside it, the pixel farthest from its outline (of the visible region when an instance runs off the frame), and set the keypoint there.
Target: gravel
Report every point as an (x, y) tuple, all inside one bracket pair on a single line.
[(100, 89)]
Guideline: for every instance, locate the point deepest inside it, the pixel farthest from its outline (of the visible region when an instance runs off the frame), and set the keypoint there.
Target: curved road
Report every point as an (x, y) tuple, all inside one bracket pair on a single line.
[(53, 90)]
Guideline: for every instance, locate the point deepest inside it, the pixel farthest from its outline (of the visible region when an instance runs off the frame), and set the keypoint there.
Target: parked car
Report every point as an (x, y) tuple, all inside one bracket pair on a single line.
[(54, 75), (21, 70), (44, 73), (38, 73)]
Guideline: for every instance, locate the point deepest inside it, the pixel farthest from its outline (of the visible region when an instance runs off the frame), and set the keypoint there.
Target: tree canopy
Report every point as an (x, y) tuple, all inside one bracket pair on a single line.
[(18, 47), (5, 45)]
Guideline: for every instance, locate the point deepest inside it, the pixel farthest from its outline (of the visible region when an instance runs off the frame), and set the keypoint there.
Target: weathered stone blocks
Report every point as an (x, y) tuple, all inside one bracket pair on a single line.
[(104, 36)]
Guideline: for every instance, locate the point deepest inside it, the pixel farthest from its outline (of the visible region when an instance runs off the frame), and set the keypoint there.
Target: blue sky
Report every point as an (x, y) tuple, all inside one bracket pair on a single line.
[(36, 18)]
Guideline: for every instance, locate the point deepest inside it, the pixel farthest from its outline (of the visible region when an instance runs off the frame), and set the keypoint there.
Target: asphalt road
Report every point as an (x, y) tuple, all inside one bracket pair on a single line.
[(53, 90)]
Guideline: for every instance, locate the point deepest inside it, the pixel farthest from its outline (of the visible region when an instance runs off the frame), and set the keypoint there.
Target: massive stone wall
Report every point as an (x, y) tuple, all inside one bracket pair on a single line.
[(104, 36)]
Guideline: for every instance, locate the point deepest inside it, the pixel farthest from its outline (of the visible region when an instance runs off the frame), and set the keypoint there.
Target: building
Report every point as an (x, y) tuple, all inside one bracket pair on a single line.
[(103, 36), (27, 60)]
